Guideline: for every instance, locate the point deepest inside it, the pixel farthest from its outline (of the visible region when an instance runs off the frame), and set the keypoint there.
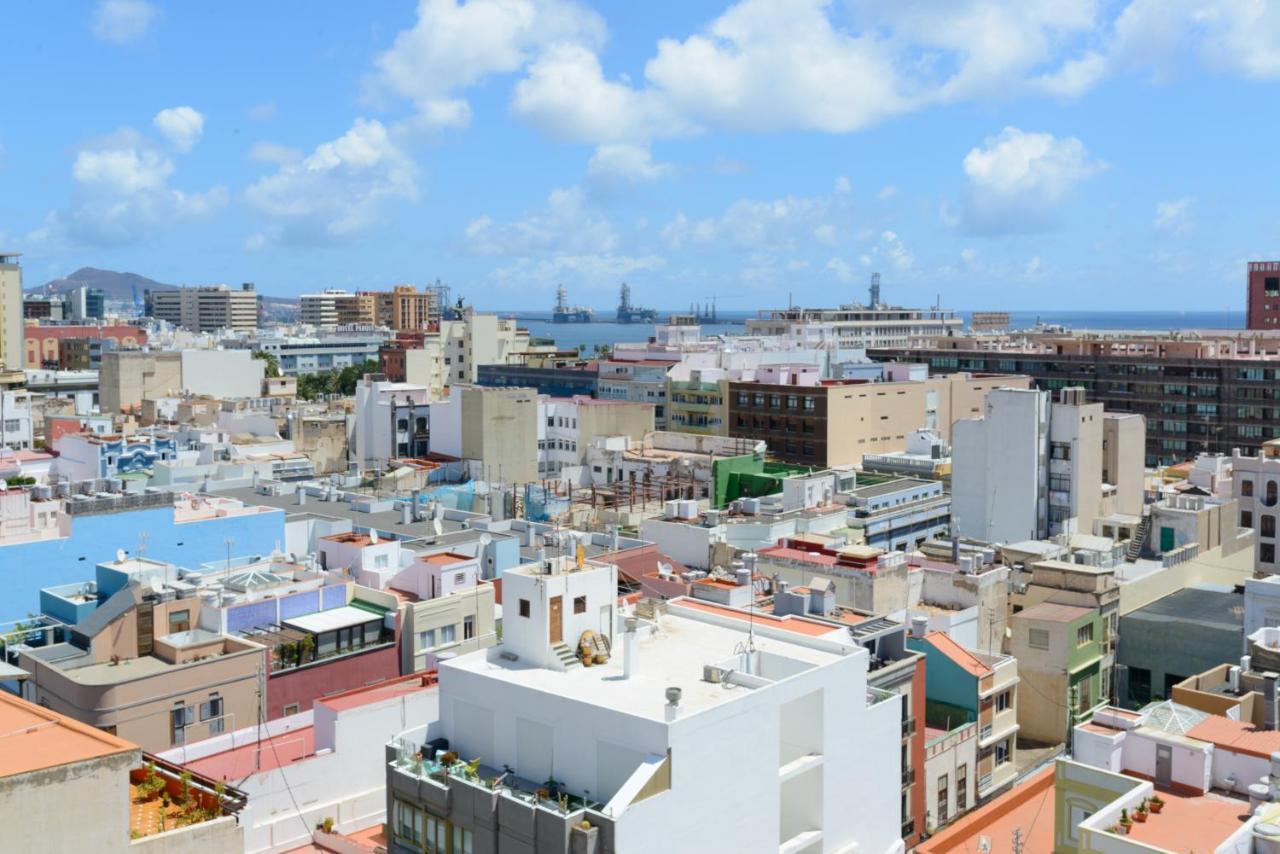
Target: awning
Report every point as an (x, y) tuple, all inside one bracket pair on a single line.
[(334, 618)]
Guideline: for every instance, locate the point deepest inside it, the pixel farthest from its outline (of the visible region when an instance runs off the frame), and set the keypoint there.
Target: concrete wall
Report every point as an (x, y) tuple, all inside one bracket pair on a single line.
[(1172, 647), (998, 468), (81, 806), (1124, 451), (222, 373), (502, 432), (304, 685)]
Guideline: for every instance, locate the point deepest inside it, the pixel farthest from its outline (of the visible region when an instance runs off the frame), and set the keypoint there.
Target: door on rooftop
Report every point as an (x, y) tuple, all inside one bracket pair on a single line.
[(1164, 765), (555, 618)]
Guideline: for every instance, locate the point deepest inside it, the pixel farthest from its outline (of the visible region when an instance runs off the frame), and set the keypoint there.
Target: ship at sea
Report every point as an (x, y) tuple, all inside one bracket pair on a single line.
[(565, 313), (628, 313)]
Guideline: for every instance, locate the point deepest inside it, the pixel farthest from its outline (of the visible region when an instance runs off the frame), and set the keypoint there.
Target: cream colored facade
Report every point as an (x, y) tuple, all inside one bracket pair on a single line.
[(11, 340), (447, 614), (1124, 441), (500, 429), (453, 353), (126, 378), (208, 308), (877, 418)]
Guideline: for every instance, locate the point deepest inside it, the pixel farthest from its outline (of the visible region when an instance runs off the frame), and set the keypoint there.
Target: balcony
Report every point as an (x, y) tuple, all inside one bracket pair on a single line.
[(908, 827), (908, 777), (909, 727)]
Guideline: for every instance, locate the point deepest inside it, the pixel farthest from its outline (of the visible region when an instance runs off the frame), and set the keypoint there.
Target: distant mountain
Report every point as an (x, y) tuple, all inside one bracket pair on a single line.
[(120, 287), (115, 286)]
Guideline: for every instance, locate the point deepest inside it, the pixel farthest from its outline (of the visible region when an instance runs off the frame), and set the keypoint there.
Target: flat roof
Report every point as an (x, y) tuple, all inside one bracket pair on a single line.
[(387, 520), (674, 656), (446, 558), (334, 618), (1029, 806), (33, 737), (1217, 608), (889, 487), (279, 750)]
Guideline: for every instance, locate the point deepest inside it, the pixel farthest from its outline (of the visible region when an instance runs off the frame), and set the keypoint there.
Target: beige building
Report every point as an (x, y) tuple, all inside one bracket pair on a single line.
[(11, 339), (808, 422), (207, 308), (500, 430), (65, 786), (1124, 443), (126, 378), (458, 619), (137, 668), (452, 354)]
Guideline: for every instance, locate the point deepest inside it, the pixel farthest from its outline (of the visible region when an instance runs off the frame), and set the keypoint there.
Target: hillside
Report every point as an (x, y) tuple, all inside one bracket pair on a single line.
[(120, 287)]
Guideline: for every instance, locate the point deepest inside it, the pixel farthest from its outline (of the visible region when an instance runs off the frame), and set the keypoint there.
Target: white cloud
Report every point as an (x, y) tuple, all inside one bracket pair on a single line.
[(1017, 181), (888, 191), (841, 269), (566, 224), (123, 21), (182, 126), (592, 270), (453, 46), (1034, 266), (843, 185), (888, 249), (1236, 36), (123, 192), (337, 191), (1174, 216), (264, 151), (619, 163), (775, 224)]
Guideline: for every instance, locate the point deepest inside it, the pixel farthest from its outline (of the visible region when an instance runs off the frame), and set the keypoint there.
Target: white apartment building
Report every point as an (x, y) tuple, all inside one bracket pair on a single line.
[(855, 325), (12, 345), (568, 425), (391, 420), (1255, 481), (207, 308), (453, 353), (15, 419), (700, 732), (1033, 467)]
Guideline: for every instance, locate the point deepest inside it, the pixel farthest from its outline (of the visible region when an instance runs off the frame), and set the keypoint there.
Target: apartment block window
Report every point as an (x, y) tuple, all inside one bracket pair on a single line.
[(579, 604), (212, 712), (180, 718), (1060, 482), (381, 561), (1084, 634), (408, 823), (810, 403), (743, 397), (1246, 519), (1267, 552), (1002, 701), (291, 709), (1002, 752), (462, 841), (758, 400), (468, 628), (1268, 525), (524, 607), (427, 639), (962, 788), (437, 835), (943, 796), (1038, 638), (179, 621), (1246, 488), (1060, 451), (448, 634)]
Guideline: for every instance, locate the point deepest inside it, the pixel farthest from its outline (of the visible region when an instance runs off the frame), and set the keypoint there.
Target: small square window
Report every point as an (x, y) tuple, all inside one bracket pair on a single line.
[(579, 604), (524, 607)]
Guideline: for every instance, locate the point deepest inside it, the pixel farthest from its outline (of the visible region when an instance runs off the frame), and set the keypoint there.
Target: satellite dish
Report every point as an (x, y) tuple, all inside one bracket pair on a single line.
[(155, 585), (119, 555)]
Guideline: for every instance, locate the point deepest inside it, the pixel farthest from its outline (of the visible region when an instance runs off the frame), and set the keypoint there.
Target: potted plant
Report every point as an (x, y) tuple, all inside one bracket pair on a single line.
[(1156, 804), (1125, 821), (1140, 814), (553, 785), (328, 824), (448, 758), (1119, 830)]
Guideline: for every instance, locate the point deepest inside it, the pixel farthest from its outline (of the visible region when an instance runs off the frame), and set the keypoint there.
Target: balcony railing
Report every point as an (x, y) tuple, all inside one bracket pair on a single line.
[(908, 827), (908, 776), (908, 727)]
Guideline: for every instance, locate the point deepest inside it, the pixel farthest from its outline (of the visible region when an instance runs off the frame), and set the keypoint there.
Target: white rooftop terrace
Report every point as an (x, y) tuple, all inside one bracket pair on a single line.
[(669, 653)]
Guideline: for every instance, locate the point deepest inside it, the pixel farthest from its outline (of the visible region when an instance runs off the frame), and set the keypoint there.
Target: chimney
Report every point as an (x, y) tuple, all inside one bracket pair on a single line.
[(919, 626), (529, 534), (613, 539), (629, 661), (1233, 679), (673, 703), (1270, 706), (301, 494), (406, 513)]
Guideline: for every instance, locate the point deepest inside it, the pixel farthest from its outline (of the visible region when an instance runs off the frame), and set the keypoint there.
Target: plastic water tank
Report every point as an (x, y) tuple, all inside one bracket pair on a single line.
[(1266, 838), (1259, 793)]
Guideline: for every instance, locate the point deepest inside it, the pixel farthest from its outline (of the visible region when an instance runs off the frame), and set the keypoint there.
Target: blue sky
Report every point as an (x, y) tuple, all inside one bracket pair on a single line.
[(1041, 154)]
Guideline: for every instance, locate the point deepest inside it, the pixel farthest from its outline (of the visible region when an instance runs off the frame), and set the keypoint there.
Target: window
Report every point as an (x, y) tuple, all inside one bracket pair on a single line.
[(579, 604), (1084, 634), (962, 788), (448, 634), (179, 621), (1270, 498), (408, 823), (468, 628), (1268, 525), (1002, 701), (291, 709), (462, 843), (1267, 552), (524, 607), (1084, 694), (427, 639), (381, 561), (437, 835), (212, 712), (1002, 752), (810, 403), (1038, 638), (180, 718), (1060, 451), (1246, 519), (1246, 488), (942, 800), (402, 425)]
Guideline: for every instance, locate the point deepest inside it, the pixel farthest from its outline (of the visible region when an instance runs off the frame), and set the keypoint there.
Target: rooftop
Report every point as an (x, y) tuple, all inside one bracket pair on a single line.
[(961, 657), (1054, 613), (1217, 608), (33, 738), (1237, 736), (1028, 807), (387, 521), (672, 657), (1191, 822)]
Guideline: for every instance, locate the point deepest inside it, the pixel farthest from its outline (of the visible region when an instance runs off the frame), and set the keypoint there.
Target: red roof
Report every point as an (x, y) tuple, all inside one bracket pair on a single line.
[(788, 553), (1237, 736), (255, 757), (960, 656)]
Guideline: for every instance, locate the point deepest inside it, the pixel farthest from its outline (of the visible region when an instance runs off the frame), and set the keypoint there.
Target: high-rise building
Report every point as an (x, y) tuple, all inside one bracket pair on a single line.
[(84, 303), (413, 309), (10, 312), (1263, 295), (207, 308), (403, 308)]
